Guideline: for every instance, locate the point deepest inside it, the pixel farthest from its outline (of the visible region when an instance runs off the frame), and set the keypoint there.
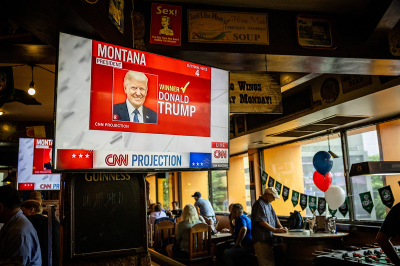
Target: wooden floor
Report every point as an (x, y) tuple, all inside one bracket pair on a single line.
[(160, 259)]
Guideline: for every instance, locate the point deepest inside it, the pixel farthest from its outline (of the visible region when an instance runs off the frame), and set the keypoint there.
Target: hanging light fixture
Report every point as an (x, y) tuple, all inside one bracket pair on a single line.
[(334, 156), (32, 90)]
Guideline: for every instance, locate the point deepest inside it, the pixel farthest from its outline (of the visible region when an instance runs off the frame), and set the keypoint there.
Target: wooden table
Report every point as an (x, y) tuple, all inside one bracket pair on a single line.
[(221, 237), (300, 247)]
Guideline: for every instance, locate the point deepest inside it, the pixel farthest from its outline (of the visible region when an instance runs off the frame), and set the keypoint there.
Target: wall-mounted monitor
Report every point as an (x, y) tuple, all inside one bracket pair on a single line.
[(121, 109), (34, 165)]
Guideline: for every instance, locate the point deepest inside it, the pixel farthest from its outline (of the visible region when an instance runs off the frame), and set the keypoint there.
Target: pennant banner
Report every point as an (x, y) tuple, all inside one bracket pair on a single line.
[(332, 212), (312, 203), (264, 177), (387, 196), (271, 181), (344, 209), (295, 198), (278, 187), (366, 201), (285, 193), (303, 201), (321, 205)]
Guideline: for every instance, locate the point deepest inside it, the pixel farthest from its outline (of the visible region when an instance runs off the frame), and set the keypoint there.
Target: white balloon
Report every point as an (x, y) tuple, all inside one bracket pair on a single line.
[(335, 197)]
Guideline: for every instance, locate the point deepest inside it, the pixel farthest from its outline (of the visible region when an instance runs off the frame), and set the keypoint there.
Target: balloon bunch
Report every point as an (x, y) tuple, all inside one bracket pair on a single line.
[(334, 195)]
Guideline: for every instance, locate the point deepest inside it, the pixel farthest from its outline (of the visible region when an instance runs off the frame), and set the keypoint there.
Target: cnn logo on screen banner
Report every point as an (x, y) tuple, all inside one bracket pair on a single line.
[(114, 160), (220, 152)]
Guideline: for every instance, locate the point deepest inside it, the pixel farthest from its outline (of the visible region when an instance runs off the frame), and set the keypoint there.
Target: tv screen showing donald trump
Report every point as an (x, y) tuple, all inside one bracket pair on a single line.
[(125, 109)]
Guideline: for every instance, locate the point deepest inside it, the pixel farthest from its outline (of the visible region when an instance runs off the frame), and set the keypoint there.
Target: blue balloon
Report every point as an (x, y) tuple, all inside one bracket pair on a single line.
[(323, 162)]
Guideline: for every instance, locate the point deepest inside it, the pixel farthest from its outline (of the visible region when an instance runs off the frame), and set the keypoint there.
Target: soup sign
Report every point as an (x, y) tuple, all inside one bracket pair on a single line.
[(228, 27)]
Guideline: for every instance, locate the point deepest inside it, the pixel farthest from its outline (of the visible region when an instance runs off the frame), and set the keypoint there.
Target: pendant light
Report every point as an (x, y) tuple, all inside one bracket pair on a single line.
[(32, 90)]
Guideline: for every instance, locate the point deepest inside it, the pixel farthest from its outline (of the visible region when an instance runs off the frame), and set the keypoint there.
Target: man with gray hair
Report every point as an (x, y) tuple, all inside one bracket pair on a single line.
[(133, 110), (264, 223)]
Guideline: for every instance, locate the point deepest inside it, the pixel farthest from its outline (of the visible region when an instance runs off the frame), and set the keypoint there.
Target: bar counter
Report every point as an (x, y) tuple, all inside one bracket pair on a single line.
[(300, 247)]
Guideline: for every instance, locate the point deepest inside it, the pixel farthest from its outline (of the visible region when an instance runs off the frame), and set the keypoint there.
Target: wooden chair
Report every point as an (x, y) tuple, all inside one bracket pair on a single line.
[(200, 242), (164, 234), (199, 245)]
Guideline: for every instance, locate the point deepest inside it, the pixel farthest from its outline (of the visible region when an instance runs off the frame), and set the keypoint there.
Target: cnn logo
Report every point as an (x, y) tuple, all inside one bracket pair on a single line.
[(220, 154), (113, 160)]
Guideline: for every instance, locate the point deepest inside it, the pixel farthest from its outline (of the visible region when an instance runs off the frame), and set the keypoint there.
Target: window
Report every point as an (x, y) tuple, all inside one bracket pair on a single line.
[(165, 191), (364, 146), (192, 182), (239, 181), (308, 150), (219, 188), (152, 185)]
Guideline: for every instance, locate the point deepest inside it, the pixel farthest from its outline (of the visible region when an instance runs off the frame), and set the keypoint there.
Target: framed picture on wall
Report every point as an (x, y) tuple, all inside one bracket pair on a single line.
[(315, 32)]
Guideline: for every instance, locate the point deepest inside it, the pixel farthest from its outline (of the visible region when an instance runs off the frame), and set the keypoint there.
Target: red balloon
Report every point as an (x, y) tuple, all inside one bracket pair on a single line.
[(323, 182)]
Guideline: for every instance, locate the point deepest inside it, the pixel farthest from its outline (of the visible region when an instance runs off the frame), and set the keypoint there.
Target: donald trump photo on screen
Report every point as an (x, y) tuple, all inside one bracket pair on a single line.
[(133, 110)]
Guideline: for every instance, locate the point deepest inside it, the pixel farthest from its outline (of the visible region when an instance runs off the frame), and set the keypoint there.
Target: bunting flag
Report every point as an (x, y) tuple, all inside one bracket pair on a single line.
[(321, 205), (332, 212), (295, 198), (264, 177), (278, 187), (366, 201), (344, 208), (271, 181), (285, 193), (303, 201), (387, 196), (312, 203)]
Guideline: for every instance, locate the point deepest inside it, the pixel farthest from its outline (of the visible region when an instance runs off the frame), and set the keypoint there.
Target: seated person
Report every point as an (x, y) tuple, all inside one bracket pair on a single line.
[(162, 208), (158, 213), (181, 248), (176, 211), (243, 243), (33, 211), (390, 228)]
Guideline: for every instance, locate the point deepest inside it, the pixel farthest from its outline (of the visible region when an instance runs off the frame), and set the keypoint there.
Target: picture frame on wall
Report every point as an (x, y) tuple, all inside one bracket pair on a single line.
[(315, 32)]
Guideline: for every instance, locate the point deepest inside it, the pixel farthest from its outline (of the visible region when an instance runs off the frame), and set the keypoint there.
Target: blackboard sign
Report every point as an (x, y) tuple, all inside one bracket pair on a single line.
[(108, 214)]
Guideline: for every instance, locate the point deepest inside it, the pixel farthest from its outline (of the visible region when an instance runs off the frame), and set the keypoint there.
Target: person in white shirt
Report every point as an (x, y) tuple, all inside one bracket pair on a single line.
[(158, 213)]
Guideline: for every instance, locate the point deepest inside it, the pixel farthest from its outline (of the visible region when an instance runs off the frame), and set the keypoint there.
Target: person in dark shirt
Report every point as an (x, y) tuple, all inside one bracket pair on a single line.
[(176, 210), (243, 243), (390, 228), (32, 209)]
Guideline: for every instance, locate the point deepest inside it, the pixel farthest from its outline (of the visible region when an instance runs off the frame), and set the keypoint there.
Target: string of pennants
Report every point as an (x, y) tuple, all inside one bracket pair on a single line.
[(319, 203)]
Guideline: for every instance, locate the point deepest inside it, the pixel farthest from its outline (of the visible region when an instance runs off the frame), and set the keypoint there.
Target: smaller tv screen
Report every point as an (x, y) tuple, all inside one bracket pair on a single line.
[(34, 165)]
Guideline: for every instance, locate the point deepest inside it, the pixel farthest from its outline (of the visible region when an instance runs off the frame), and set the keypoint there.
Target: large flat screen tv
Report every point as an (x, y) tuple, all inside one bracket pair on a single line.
[(121, 109), (34, 165)]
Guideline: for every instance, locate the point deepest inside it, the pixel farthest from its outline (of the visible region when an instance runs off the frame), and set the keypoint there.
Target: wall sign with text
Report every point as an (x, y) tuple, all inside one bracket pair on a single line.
[(255, 93), (228, 27), (354, 82), (166, 22)]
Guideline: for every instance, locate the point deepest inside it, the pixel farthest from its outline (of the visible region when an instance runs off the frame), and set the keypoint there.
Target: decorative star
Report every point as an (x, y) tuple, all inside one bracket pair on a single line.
[(201, 164), (197, 164), (80, 155), (73, 155), (87, 155), (193, 163)]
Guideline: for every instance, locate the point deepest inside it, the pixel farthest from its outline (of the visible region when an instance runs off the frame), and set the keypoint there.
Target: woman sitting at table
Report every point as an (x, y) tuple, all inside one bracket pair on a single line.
[(181, 248)]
